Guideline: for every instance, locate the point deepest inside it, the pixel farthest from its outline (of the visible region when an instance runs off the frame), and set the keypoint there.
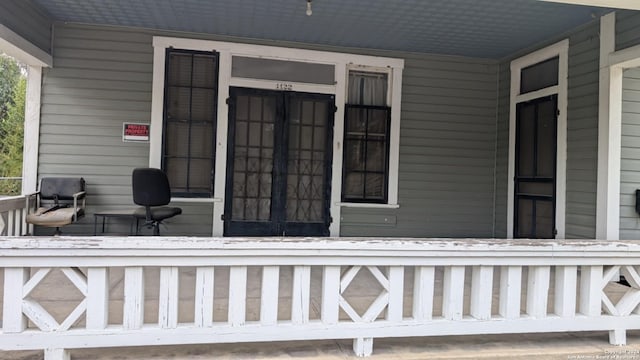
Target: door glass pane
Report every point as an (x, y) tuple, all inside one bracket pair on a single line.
[(546, 138), (526, 129), (305, 167), (539, 76), (253, 158)]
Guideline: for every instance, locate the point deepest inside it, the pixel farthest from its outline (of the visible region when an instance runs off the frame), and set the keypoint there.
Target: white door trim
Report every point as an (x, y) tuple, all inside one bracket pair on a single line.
[(560, 49)]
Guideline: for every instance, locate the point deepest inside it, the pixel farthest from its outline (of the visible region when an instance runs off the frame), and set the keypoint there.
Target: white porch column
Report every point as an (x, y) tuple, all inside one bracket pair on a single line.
[(609, 136), (31, 130)]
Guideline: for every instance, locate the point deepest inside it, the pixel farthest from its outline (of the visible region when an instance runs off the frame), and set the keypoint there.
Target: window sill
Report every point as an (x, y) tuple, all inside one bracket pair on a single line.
[(369, 205), (195, 200)]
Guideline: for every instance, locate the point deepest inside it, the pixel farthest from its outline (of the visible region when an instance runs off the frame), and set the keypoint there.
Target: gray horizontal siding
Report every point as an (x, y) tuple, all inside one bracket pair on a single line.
[(95, 86), (447, 146), (627, 28), (103, 77), (582, 132), (630, 156), (27, 20)]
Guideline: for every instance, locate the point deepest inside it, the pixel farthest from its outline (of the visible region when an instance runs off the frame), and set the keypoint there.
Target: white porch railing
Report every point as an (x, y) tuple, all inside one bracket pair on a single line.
[(13, 213), (250, 290)]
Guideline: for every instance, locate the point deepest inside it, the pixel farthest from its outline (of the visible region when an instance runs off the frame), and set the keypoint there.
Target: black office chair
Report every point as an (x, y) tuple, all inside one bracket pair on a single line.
[(152, 191)]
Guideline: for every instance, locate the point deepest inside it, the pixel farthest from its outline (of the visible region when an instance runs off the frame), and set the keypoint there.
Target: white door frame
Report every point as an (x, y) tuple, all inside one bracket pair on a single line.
[(560, 50)]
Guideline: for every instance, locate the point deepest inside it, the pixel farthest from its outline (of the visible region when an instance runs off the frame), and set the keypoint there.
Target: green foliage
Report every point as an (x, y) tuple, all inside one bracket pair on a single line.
[(11, 127), (9, 75)]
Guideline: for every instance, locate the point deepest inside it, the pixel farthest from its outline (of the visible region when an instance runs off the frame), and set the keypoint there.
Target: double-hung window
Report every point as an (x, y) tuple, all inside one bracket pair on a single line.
[(367, 138), (189, 134)]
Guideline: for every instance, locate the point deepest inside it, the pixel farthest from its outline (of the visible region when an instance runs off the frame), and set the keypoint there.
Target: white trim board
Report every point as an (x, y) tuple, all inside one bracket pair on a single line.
[(342, 63), (561, 50), (25, 51)]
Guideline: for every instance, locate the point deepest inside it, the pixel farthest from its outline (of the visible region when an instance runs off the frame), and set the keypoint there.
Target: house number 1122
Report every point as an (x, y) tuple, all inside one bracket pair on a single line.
[(283, 86)]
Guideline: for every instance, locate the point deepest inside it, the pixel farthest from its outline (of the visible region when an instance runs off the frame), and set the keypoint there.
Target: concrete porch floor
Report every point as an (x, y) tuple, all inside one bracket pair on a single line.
[(62, 297)]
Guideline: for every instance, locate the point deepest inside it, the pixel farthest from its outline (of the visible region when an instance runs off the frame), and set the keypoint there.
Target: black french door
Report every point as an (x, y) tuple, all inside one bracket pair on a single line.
[(279, 159), (535, 168)]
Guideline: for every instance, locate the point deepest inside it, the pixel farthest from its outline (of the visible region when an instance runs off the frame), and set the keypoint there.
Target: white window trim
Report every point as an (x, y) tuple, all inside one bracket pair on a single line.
[(561, 50), (612, 66), (226, 50), (393, 101)]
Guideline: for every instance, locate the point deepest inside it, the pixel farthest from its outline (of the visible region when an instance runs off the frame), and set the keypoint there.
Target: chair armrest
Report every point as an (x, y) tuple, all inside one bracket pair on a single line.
[(28, 199), (76, 196)]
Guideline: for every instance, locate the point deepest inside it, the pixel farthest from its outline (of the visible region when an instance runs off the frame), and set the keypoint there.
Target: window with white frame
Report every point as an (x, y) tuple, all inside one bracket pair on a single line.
[(189, 132), (366, 138)]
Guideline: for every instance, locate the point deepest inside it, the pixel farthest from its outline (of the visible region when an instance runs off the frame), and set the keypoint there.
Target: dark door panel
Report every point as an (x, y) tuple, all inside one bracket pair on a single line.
[(535, 178), (279, 156)]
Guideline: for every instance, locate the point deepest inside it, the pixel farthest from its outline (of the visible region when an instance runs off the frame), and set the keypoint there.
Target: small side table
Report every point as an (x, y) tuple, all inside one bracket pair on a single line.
[(119, 213)]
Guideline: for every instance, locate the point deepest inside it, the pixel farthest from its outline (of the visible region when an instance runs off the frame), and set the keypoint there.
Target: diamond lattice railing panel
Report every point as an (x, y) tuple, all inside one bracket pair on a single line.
[(374, 308), (629, 302), (52, 309)]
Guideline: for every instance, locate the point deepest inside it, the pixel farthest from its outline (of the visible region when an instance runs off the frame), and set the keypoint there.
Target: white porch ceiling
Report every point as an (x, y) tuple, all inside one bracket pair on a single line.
[(477, 28)]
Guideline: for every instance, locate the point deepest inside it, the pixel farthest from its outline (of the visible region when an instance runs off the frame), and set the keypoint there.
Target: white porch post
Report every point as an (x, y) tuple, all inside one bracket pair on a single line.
[(31, 130), (609, 134)]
